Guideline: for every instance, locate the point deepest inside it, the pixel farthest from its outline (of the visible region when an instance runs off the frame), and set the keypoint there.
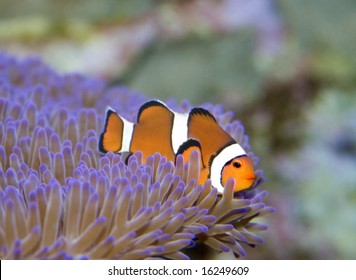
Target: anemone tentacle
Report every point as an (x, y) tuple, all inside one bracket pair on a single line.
[(60, 199)]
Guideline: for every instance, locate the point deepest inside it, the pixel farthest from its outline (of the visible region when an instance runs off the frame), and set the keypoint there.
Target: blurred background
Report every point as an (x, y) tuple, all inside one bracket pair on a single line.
[(286, 68)]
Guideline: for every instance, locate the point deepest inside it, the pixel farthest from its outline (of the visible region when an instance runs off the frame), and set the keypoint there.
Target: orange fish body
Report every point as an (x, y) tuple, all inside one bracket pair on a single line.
[(159, 129)]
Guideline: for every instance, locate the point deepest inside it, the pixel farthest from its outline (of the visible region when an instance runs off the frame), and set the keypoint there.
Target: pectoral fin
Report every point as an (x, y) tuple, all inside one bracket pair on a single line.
[(187, 147)]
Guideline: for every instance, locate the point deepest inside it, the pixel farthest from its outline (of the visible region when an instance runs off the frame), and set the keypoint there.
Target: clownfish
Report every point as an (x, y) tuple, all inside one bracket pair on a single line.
[(160, 129)]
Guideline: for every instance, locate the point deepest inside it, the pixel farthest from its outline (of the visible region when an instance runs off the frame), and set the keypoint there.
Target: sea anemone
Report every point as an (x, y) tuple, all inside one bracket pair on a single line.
[(61, 199)]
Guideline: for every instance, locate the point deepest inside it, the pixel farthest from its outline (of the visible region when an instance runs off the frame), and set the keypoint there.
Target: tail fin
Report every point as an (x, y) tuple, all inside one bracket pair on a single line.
[(117, 134)]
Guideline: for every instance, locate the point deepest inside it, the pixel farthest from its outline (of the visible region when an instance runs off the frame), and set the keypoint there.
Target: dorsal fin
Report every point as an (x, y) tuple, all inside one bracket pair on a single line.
[(153, 130), (201, 112), (145, 110), (203, 126), (110, 139)]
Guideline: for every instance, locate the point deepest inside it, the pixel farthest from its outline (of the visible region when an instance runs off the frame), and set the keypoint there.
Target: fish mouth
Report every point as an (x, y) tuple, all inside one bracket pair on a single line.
[(249, 181), (250, 178), (244, 184)]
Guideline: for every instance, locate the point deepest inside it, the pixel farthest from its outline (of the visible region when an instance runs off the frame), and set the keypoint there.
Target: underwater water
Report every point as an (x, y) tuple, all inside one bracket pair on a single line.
[(285, 69)]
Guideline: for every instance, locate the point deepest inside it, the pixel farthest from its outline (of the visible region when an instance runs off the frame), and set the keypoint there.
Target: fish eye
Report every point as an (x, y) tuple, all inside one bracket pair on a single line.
[(236, 164)]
